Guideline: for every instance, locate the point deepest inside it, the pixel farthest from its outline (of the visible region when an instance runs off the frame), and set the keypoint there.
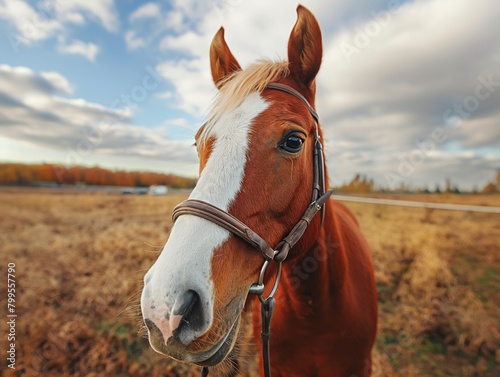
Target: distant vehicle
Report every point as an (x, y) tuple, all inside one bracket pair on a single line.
[(158, 190), (127, 191), (141, 190)]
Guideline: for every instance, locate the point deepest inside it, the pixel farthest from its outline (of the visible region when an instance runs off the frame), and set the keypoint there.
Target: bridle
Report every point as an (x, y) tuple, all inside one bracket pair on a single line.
[(279, 253)]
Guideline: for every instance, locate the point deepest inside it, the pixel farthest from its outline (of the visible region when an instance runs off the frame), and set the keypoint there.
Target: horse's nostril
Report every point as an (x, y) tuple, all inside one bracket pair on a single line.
[(186, 303), (189, 307), (188, 319)]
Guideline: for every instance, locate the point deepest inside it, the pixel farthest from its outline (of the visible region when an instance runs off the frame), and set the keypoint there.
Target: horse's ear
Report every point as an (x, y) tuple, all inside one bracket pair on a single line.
[(305, 48), (222, 61)]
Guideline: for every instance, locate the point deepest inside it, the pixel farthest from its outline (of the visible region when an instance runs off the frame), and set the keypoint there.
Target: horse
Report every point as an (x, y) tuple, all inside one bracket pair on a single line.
[(262, 182)]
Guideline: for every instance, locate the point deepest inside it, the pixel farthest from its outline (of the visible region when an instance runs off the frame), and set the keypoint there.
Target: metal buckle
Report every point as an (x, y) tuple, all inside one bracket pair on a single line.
[(258, 288)]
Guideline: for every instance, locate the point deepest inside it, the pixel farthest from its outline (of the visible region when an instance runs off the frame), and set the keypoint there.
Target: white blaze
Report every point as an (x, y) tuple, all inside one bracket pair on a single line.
[(184, 263)]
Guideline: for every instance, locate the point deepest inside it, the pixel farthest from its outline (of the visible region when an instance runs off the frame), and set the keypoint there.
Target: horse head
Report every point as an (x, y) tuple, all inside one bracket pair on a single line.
[(256, 163)]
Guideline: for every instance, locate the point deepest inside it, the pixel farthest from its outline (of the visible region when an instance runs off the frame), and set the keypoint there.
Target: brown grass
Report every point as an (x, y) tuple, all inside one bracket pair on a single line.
[(80, 259)]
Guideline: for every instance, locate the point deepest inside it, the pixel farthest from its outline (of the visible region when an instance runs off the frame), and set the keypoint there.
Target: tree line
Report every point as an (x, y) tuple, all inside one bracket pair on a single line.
[(361, 184), (24, 174)]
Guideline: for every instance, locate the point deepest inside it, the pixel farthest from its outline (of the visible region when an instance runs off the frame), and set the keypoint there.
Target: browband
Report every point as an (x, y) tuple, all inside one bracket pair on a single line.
[(295, 93)]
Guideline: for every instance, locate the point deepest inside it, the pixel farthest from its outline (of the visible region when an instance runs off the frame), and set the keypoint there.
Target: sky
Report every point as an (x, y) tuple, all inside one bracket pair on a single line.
[(408, 92)]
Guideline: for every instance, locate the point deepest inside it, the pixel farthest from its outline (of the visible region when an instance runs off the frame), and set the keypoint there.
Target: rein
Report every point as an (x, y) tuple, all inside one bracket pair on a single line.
[(279, 253)]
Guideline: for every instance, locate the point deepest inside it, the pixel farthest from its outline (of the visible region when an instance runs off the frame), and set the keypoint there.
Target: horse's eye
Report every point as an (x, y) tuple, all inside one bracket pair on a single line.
[(292, 143)]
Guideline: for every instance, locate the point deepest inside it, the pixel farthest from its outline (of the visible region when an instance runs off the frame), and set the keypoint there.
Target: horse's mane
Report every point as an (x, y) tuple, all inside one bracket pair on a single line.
[(238, 85)]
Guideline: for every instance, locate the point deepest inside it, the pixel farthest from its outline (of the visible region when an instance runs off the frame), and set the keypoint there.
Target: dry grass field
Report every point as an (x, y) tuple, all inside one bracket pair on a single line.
[(80, 258)]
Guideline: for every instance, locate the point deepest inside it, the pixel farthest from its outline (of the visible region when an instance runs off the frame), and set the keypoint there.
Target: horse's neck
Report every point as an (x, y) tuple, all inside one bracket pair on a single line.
[(326, 303), (311, 285), (317, 274)]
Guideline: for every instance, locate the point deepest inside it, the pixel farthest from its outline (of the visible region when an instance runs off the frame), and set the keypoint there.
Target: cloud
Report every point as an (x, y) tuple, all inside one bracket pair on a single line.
[(148, 10), (194, 92), (58, 81), (103, 11), (38, 109), (148, 22), (132, 41), (51, 17), (16, 78), (29, 24), (77, 47)]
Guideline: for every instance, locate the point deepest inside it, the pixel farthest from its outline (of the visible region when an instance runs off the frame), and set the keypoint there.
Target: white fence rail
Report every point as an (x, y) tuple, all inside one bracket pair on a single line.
[(407, 203)]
